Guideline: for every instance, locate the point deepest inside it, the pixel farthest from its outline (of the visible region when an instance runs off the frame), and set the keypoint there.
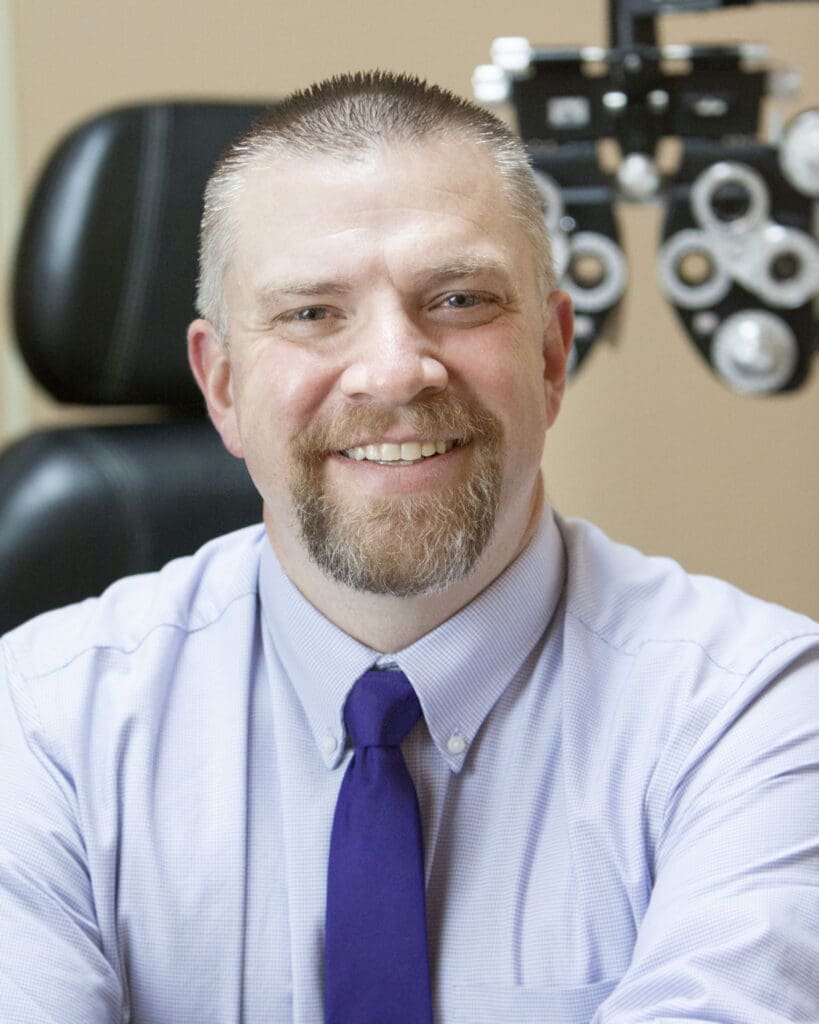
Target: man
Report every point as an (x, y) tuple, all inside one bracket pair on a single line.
[(616, 765)]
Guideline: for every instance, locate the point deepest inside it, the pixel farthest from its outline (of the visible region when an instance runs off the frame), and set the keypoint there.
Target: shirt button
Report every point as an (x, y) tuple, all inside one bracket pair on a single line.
[(456, 744), (329, 744)]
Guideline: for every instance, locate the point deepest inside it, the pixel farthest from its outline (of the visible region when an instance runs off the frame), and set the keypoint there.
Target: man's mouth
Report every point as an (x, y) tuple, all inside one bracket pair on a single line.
[(406, 452)]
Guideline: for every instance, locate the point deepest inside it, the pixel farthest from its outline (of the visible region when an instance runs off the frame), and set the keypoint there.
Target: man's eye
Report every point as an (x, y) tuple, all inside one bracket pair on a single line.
[(461, 300), (308, 322), (308, 314)]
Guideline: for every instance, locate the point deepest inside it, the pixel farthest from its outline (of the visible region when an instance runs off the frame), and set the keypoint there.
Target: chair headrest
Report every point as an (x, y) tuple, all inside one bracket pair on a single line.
[(105, 273)]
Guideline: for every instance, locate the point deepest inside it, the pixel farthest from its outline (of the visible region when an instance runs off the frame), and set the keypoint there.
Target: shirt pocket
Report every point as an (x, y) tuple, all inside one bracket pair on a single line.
[(491, 1004)]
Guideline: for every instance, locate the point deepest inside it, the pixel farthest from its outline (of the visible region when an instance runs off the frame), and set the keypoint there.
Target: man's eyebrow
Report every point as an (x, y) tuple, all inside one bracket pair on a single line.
[(276, 292), (269, 295), (464, 267)]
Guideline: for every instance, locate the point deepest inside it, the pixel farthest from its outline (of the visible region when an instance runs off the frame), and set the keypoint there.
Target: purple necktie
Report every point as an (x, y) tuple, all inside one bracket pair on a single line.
[(376, 968)]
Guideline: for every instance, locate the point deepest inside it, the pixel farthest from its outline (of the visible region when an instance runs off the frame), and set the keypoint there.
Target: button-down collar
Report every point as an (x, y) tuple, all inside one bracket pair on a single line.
[(459, 670)]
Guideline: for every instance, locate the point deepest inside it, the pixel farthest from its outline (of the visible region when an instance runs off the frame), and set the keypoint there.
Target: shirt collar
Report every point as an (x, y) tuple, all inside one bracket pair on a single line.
[(459, 670)]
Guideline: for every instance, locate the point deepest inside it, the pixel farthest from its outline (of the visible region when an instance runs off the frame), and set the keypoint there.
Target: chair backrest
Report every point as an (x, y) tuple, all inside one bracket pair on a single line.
[(103, 290)]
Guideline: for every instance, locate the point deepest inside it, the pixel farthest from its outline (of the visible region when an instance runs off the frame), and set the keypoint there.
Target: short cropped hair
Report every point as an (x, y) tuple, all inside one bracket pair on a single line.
[(348, 117)]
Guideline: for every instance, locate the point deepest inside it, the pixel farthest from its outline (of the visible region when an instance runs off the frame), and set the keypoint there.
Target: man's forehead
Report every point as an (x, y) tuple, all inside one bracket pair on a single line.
[(317, 216), (457, 159)]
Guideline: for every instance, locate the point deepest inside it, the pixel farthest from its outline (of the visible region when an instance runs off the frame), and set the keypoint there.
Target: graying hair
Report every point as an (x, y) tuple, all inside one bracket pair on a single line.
[(346, 117)]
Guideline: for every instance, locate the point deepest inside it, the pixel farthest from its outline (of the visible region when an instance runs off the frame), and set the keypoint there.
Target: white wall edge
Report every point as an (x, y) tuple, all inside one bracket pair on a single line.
[(15, 408)]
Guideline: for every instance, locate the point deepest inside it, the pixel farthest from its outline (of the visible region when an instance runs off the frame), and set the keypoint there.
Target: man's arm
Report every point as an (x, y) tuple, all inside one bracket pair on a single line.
[(731, 934), (52, 967)]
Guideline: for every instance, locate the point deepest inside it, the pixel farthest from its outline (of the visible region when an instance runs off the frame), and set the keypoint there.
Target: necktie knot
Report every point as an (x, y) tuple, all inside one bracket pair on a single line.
[(381, 709)]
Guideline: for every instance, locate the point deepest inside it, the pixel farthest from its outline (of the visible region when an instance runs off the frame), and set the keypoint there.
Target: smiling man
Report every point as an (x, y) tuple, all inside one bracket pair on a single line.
[(416, 748), (385, 351)]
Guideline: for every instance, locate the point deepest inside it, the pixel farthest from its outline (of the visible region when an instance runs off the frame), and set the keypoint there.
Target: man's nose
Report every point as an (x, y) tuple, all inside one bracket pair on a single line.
[(393, 362)]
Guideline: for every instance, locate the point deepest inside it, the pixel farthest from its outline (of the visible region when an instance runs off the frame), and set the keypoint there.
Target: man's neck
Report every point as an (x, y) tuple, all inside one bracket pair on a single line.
[(387, 623)]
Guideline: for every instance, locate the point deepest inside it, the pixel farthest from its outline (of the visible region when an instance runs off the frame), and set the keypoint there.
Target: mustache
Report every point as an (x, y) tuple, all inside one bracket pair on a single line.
[(451, 418)]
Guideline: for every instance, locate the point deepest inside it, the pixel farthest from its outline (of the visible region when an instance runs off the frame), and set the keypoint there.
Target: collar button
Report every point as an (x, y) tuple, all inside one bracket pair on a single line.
[(456, 744)]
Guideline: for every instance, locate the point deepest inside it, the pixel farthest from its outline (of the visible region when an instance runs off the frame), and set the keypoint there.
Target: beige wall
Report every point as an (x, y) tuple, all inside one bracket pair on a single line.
[(649, 445)]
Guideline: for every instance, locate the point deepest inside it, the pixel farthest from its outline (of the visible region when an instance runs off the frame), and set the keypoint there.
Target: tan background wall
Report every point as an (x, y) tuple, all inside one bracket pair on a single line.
[(649, 444)]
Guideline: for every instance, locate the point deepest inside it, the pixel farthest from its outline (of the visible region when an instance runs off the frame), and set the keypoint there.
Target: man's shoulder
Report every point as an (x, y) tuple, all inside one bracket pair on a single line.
[(188, 594), (630, 600)]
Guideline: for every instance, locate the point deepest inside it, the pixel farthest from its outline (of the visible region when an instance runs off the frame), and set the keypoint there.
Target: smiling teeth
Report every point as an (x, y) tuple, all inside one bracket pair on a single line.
[(409, 451)]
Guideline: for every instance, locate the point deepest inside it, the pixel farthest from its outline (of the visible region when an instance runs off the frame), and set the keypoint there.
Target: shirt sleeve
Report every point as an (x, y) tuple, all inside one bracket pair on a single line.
[(731, 933), (52, 966)]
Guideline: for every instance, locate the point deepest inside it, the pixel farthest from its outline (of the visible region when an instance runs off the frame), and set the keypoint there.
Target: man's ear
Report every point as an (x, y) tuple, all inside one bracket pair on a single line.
[(211, 367), (558, 334)]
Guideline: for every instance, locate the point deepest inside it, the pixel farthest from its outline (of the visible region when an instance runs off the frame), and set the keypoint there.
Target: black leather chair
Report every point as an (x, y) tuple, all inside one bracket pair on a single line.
[(103, 290)]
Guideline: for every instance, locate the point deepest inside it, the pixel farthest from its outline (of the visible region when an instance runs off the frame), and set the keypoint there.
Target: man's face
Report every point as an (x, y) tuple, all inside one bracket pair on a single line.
[(392, 365)]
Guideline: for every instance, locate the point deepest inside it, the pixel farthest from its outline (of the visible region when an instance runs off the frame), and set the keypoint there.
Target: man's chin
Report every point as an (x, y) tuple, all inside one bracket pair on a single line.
[(402, 545), (406, 529)]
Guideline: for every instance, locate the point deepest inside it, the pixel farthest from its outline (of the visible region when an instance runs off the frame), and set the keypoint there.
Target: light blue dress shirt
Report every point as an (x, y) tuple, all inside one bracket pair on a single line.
[(618, 771)]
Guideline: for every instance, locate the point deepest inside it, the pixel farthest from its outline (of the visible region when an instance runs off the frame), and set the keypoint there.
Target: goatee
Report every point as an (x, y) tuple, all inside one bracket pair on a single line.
[(408, 544)]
